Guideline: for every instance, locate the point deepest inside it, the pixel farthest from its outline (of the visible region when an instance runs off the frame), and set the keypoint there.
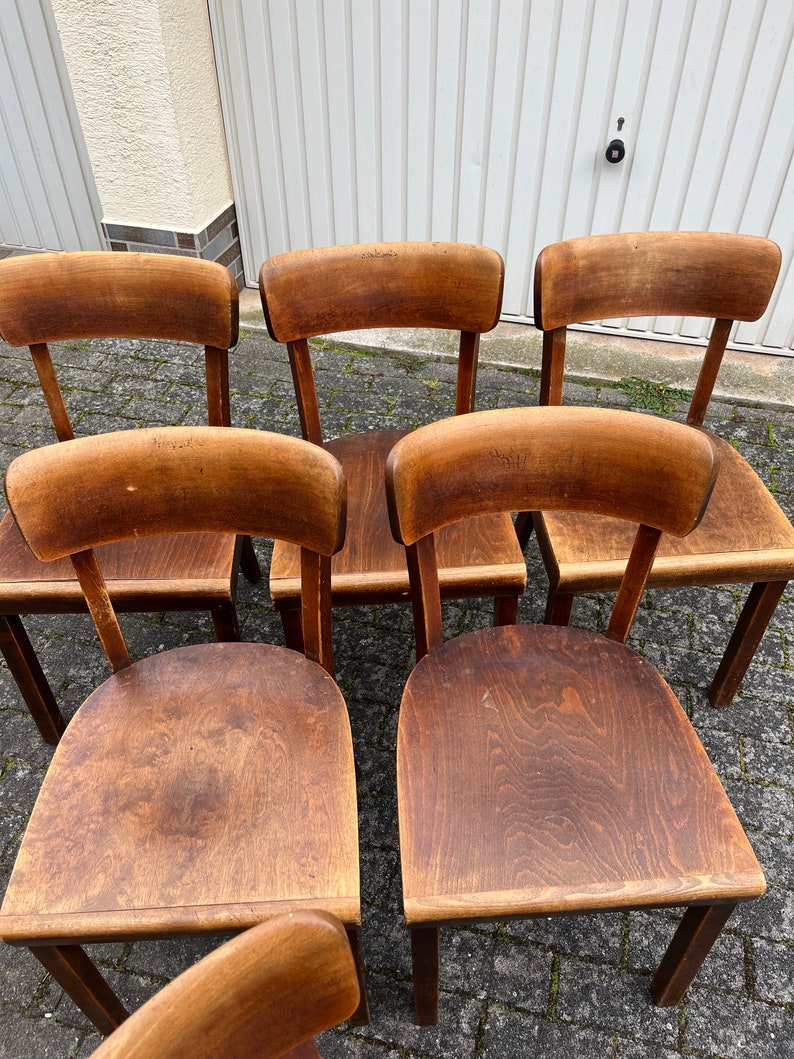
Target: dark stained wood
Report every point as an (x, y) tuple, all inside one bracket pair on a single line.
[(178, 771), (55, 297), (745, 537), (430, 285), (272, 988), (541, 769), (755, 616), (77, 975), (424, 960), (26, 670), (691, 943)]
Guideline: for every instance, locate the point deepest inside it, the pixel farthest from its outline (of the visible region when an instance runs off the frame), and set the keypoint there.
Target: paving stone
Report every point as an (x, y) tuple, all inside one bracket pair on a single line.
[(511, 1033), (773, 967), (727, 1031), (618, 1001), (575, 985), (37, 1038)]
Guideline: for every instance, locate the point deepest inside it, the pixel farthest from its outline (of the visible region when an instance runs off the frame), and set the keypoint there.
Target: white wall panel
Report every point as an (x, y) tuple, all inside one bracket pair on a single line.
[(487, 121), (48, 199)]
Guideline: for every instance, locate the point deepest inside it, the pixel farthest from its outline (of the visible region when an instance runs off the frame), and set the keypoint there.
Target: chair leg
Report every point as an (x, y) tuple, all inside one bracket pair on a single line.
[(505, 610), (524, 528), (424, 960), (755, 616), (292, 626), (26, 670), (78, 976), (249, 564), (558, 608), (360, 1016), (224, 619), (696, 933)]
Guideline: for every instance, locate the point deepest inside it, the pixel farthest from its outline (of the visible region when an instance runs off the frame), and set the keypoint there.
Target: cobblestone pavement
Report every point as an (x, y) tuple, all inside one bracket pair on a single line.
[(574, 986)]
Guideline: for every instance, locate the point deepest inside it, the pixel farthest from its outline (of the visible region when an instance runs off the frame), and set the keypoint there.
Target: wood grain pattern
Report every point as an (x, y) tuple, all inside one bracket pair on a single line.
[(542, 770), (207, 788), (170, 782), (258, 995)]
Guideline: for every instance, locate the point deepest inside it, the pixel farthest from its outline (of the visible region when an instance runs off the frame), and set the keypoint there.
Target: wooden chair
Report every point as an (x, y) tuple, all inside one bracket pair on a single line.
[(57, 297), (744, 536), (430, 285), (206, 788), (544, 769), (263, 994)]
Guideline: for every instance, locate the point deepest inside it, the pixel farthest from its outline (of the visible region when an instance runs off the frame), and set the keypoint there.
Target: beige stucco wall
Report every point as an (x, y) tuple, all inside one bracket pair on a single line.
[(144, 83)]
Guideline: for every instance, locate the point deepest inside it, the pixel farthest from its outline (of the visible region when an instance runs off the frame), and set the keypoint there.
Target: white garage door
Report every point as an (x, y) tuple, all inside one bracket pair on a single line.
[(487, 121), (48, 198)]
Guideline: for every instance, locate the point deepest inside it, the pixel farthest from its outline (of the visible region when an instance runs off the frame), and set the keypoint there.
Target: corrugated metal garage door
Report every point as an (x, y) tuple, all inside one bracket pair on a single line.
[(487, 121), (48, 198)]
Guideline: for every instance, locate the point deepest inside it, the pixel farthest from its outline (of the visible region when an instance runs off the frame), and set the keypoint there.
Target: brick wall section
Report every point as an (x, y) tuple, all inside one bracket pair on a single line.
[(219, 241)]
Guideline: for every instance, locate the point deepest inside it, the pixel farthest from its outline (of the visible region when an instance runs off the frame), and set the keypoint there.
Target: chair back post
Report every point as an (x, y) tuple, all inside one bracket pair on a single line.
[(632, 586), (300, 363), (216, 372), (53, 396), (101, 609), (316, 609), (707, 376), (466, 386), (425, 595)]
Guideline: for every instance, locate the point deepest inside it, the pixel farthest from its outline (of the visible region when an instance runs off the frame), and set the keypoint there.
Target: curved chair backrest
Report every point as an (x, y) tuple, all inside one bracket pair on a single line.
[(257, 997), (454, 286), (347, 288), (99, 294), (647, 470), (74, 496), (602, 277)]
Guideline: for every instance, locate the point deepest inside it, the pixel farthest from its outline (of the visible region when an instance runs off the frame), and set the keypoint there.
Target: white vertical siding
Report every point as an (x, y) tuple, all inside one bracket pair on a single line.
[(48, 199), (487, 121)]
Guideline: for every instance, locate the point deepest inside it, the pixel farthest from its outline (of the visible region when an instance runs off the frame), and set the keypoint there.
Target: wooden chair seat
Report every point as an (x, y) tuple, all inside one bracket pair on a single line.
[(743, 536), (564, 779), (200, 569), (479, 556), (168, 788)]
